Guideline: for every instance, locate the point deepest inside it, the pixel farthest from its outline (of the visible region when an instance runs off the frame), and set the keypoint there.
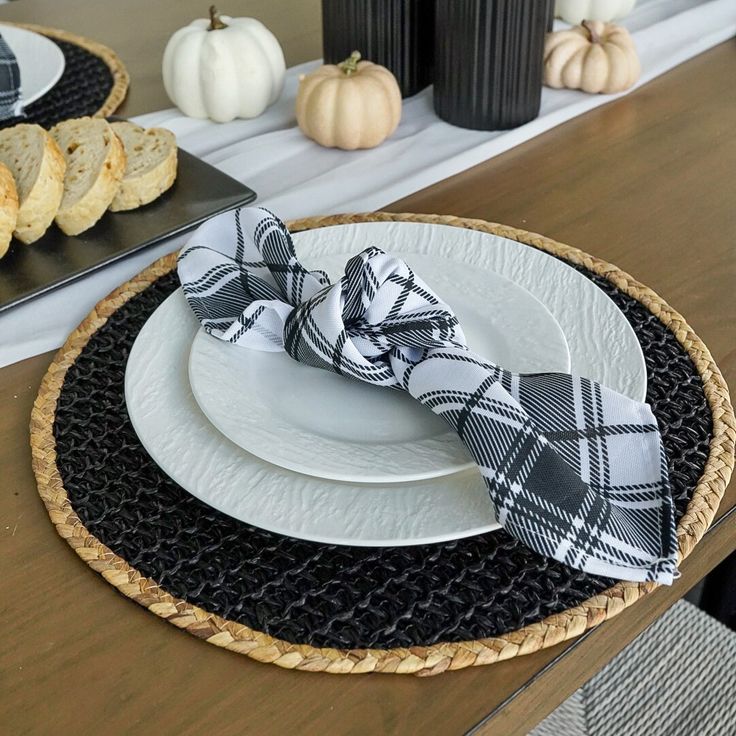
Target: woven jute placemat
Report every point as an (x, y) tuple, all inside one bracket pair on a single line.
[(94, 82), (421, 660)]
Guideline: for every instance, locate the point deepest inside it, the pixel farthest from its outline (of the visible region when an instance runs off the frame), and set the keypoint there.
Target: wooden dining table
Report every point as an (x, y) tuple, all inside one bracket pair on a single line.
[(647, 182)]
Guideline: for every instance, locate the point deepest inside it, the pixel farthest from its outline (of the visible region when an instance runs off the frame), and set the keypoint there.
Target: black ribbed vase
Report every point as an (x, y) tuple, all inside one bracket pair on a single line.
[(488, 61), (397, 34)]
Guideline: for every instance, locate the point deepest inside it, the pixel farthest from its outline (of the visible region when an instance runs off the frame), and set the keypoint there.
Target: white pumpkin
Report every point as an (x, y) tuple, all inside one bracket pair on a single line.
[(223, 68), (576, 11)]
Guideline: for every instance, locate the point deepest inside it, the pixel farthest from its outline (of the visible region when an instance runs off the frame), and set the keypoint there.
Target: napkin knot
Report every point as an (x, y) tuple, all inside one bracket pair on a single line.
[(378, 315)]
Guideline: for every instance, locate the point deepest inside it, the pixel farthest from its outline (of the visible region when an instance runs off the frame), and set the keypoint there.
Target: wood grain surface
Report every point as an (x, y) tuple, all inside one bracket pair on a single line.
[(646, 182)]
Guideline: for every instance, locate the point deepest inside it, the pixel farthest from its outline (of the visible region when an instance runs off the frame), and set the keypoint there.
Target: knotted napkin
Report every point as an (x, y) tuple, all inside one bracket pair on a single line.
[(574, 470), (10, 102)]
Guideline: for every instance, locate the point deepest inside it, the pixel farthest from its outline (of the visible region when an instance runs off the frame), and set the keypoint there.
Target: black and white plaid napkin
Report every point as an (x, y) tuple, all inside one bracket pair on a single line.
[(575, 471), (10, 102)]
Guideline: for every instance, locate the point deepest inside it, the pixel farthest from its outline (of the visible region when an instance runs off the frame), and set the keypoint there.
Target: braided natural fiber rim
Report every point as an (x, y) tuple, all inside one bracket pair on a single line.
[(119, 73), (424, 660)]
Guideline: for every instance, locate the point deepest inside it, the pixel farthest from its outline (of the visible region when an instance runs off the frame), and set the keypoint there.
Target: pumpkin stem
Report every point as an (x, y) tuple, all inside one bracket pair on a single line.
[(216, 23), (594, 37), (350, 65)]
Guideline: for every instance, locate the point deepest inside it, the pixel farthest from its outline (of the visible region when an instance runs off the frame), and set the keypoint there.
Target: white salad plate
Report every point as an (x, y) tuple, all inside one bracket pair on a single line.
[(316, 422), (181, 440), (40, 61)]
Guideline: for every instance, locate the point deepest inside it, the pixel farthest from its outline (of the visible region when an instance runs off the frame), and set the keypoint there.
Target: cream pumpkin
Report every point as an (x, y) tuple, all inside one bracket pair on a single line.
[(355, 104), (594, 57)]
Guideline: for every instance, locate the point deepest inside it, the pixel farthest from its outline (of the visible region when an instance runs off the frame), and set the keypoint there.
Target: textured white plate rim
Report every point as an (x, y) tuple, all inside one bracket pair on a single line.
[(55, 57), (345, 459), (225, 458)]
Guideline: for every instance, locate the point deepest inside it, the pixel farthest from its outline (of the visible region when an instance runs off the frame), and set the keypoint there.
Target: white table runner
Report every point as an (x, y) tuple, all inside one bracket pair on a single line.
[(295, 177)]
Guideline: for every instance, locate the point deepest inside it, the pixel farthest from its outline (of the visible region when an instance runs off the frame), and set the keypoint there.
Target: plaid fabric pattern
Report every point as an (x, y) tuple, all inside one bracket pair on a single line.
[(10, 102), (575, 471)]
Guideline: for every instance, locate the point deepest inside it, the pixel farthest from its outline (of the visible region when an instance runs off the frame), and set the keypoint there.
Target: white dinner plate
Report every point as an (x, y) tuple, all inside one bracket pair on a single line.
[(316, 422), (40, 61), (204, 462), (198, 457)]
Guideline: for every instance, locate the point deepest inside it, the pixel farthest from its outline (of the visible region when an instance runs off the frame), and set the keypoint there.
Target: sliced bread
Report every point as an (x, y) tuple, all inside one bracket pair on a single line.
[(95, 164), (150, 164), (37, 166), (8, 208)]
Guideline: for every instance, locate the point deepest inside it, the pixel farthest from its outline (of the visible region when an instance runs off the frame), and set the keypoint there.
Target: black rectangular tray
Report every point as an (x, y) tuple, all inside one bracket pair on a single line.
[(199, 192)]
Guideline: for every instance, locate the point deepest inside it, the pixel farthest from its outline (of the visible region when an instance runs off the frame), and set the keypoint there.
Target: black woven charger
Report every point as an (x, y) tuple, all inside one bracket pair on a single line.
[(82, 89), (309, 593)]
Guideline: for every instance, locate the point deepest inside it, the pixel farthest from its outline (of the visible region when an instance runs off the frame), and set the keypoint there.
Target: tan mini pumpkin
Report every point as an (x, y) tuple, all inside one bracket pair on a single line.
[(355, 104), (594, 57)]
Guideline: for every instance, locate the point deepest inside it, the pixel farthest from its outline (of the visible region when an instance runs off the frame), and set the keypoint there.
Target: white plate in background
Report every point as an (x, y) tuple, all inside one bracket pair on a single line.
[(40, 60)]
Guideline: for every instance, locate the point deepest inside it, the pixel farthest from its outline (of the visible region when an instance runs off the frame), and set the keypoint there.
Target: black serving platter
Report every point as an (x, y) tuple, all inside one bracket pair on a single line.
[(199, 192)]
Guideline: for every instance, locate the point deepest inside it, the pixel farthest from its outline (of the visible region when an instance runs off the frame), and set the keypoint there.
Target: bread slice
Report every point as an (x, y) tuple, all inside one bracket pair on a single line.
[(8, 208), (37, 166), (95, 164), (151, 164)]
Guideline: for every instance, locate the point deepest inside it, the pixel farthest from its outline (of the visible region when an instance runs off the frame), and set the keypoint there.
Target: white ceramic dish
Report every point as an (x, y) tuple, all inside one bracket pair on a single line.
[(188, 448), (315, 422), (40, 60)]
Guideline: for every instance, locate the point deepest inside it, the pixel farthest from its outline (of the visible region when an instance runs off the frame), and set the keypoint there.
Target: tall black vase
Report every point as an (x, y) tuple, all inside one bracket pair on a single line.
[(488, 61), (397, 34)]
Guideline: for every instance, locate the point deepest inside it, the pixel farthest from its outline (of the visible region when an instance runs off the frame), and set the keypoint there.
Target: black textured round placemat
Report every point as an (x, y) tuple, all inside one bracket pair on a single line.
[(81, 90), (318, 594)]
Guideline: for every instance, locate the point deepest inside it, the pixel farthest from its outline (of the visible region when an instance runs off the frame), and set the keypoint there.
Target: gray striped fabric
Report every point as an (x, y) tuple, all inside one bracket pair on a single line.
[(678, 678)]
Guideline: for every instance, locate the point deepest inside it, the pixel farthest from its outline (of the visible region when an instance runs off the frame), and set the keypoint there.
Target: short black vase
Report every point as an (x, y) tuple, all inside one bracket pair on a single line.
[(488, 61), (397, 34)]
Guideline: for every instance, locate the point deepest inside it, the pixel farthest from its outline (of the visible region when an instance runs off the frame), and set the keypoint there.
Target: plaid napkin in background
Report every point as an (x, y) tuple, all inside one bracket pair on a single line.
[(574, 470), (10, 102)]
